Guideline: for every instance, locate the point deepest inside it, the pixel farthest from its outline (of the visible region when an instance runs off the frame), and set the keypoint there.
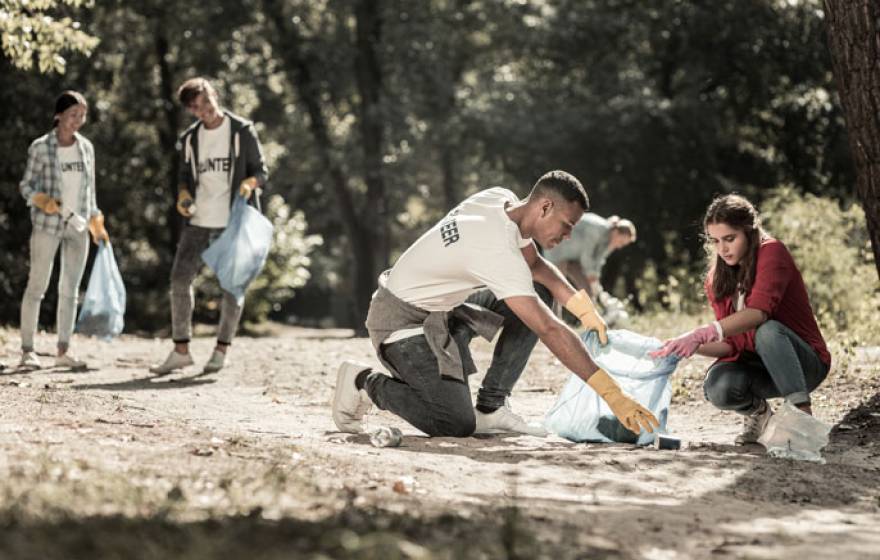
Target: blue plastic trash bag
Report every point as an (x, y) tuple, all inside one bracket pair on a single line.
[(103, 309), (238, 255), (580, 414)]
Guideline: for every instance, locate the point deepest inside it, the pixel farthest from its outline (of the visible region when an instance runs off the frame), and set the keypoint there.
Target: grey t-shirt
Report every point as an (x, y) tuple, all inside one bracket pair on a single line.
[(587, 245)]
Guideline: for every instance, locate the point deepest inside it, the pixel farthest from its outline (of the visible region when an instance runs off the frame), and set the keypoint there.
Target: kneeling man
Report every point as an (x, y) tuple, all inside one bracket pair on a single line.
[(473, 273)]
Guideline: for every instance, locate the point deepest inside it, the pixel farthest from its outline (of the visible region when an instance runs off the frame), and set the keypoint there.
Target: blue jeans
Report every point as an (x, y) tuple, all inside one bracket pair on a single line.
[(783, 365), (442, 406)]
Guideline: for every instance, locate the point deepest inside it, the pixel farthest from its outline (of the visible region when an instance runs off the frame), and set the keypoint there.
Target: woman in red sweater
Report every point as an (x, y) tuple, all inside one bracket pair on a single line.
[(765, 334)]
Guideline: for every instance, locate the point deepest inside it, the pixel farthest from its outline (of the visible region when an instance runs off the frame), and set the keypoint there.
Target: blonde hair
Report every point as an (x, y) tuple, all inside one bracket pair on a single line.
[(622, 225)]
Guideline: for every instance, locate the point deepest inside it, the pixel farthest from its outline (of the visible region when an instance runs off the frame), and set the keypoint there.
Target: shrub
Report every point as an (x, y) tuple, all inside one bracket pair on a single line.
[(831, 248)]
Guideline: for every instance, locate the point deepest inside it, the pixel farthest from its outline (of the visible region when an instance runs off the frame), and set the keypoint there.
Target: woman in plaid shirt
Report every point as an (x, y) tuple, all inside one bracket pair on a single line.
[(59, 187)]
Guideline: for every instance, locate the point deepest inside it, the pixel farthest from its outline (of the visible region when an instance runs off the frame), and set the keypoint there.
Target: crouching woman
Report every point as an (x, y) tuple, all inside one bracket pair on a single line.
[(765, 336)]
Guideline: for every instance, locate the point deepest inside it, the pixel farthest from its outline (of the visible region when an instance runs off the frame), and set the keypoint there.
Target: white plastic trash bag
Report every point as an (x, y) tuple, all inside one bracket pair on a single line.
[(103, 310), (580, 414), (793, 434), (238, 255)]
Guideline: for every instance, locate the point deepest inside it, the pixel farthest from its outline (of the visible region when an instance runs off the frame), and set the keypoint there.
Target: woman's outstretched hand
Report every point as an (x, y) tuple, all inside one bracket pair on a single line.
[(686, 345)]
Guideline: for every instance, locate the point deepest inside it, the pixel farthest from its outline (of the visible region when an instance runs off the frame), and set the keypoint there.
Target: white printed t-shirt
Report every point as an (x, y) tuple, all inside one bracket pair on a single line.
[(475, 246), (215, 170), (72, 171)]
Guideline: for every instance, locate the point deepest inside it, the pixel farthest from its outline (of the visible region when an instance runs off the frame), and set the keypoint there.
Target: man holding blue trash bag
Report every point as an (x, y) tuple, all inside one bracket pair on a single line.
[(477, 271), (221, 158)]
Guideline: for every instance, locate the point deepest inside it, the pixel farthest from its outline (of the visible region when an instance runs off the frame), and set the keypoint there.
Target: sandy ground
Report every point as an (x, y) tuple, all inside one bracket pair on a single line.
[(116, 463)]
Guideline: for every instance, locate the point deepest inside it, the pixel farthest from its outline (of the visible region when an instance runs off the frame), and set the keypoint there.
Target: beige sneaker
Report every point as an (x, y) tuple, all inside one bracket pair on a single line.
[(350, 405), (68, 361), (215, 363), (29, 360), (174, 361), (506, 421), (754, 424)]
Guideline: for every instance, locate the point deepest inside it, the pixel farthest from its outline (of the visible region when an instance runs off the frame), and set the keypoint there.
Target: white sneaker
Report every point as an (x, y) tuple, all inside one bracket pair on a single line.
[(29, 360), (350, 405), (754, 425), (68, 361), (505, 421), (215, 363), (175, 360)]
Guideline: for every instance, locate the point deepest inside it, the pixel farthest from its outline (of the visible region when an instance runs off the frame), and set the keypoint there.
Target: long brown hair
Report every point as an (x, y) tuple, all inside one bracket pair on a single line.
[(738, 213)]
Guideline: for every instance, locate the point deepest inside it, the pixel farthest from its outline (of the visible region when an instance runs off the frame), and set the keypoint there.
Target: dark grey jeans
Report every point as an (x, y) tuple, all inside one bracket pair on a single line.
[(442, 406), (187, 264), (782, 366)]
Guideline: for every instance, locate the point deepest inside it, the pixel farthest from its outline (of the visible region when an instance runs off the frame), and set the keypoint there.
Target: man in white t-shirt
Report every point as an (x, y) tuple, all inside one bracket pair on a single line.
[(476, 272), (221, 158)]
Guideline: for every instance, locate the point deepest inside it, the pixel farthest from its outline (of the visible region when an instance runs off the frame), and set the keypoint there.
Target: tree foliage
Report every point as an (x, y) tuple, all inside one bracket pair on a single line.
[(42, 31), (379, 115)]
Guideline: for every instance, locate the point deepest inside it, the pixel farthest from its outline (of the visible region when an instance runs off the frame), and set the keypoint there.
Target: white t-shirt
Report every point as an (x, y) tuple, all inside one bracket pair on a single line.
[(72, 171), (215, 170), (475, 246)]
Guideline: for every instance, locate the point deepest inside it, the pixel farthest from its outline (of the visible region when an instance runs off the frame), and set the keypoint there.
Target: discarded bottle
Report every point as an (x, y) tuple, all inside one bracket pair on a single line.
[(386, 437), (75, 221), (665, 441)]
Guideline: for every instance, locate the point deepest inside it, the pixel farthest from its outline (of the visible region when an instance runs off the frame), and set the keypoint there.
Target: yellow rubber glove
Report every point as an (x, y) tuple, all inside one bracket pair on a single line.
[(631, 414), (97, 229), (45, 203), (184, 202), (581, 306), (247, 187)]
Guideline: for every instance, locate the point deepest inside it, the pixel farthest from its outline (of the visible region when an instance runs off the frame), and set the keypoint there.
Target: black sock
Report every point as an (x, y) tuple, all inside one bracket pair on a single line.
[(361, 380), (487, 409)]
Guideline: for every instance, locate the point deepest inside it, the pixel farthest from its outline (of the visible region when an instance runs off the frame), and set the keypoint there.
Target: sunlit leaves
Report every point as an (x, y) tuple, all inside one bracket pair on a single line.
[(37, 31)]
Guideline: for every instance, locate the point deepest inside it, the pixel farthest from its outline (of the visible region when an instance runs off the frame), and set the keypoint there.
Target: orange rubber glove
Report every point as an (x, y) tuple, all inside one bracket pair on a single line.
[(581, 306), (247, 187), (631, 414), (97, 229), (184, 203), (46, 203)]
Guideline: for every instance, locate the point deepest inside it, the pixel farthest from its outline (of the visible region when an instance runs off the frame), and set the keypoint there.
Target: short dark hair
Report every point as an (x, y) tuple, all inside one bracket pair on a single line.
[(66, 100), (192, 88), (564, 185)]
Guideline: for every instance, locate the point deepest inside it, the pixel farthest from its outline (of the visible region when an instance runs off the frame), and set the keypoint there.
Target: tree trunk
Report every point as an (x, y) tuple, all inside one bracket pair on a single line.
[(168, 133), (854, 41), (288, 44), (369, 81), (450, 131)]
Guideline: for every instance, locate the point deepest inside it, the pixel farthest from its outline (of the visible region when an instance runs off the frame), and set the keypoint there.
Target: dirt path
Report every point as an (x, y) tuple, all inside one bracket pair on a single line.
[(116, 463)]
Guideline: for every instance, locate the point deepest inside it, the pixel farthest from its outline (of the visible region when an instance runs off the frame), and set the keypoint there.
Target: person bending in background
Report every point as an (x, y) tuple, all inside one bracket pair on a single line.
[(582, 257), (59, 187), (765, 334), (221, 158), (475, 272)]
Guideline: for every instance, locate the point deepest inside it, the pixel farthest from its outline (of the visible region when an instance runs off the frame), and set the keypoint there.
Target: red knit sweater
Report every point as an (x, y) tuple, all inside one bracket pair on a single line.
[(778, 291)]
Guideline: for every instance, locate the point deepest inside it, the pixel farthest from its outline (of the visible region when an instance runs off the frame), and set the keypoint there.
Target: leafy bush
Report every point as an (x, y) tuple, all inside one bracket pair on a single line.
[(831, 248)]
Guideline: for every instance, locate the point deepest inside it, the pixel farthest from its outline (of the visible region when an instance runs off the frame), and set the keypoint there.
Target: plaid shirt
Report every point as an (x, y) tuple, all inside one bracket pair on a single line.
[(43, 175)]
